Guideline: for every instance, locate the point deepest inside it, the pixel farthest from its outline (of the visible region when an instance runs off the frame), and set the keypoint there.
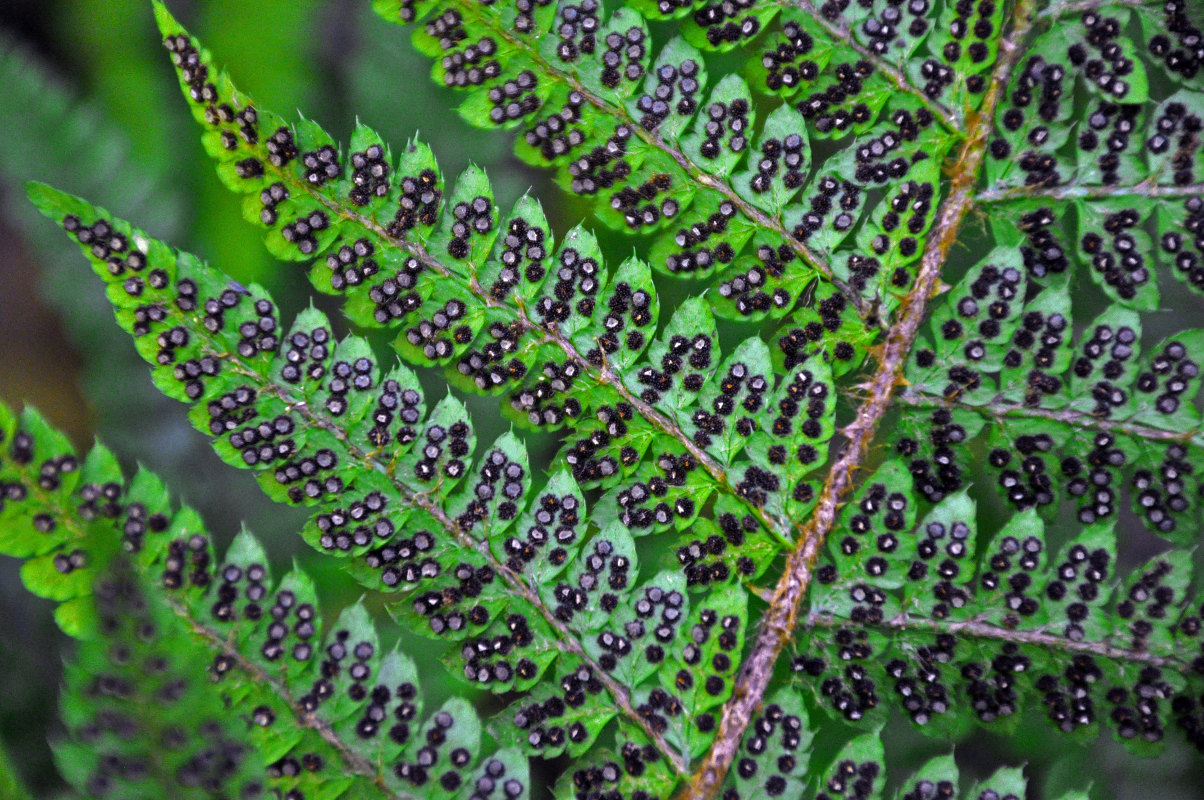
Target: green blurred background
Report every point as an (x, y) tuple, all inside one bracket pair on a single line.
[(90, 105)]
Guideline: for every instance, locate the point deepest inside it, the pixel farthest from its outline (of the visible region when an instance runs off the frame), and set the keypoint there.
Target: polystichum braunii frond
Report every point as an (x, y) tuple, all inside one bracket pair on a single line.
[(951, 221)]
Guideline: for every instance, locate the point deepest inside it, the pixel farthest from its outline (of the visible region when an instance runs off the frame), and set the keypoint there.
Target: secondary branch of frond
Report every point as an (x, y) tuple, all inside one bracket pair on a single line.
[(1147, 188), (358, 764), (842, 34), (1079, 419), (779, 621), (979, 628), (702, 177), (565, 640)]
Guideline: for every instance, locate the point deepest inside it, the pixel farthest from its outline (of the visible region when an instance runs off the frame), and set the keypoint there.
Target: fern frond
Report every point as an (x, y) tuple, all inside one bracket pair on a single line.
[(281, 711)]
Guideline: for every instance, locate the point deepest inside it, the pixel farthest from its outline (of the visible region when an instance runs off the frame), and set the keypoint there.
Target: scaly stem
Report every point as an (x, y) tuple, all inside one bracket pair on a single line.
[(998, 410), (778, 623), (1147, 188), (979, 628)]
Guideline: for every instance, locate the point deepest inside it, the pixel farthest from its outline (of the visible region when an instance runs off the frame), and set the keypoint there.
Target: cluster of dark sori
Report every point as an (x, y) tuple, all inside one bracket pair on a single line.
[(397, 403), (704, 562), (773, 751), (453, 609), (471, 218), (1037, 340), (688, 356), (426, 764), (851, 780), (574, 273), (1102, 354), (432, 334), (270, 198), (942, 550), (1092, 479), (361, 523), (352, 264), (749, 291), (723, 22), (306, 355), (1183, 50), (1170, 375), (742, 393), (636, 306), (638, 204), (447, 29), (418, 204), (1080, 583), (1187, 248), (1107, 66), (797, 344), (310, 477), (833, 197), (593, 172), (514, 98), (660, 610), (472, 65), (1121, 119), (548, 402), (875, 523), (784, 71), (577, 25), (556, 522), (936, 474), (560, 132), (675, 93), (369, 174), (104, 242), (500, 487), (523, 250), (547, 729), (785, 155), (406, 560), (603, 577), (1025, 476), (446, 447), (322, 165), (396, 295), (937, 77), (1120, 261), (303, 231), (623, 58), (1163, 496), (831, 109), (1044, 253), (1009, 569), (590, 456), (734, 117), (909, 207), (487, 366)]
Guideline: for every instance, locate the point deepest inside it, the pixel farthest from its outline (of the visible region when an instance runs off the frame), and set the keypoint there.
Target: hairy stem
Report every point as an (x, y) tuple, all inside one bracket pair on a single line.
[(1080, 419), (979, 628), (778, 623), (1147, 188)]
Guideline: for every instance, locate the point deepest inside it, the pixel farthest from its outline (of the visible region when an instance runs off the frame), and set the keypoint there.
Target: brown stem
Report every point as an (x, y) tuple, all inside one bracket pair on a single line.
[(845, 36), (778, 623), (1147, 188), (1079, 419), (978, 628)]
